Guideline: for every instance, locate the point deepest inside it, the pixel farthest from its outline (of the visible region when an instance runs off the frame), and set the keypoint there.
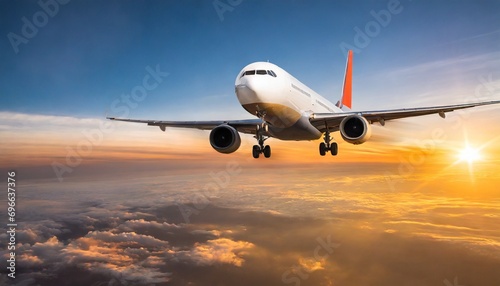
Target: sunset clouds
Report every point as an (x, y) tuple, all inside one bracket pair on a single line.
[(315, 229)]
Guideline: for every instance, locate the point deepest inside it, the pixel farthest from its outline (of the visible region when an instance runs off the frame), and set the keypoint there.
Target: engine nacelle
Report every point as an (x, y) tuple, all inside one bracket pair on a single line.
[(225, 139), (355, 129)]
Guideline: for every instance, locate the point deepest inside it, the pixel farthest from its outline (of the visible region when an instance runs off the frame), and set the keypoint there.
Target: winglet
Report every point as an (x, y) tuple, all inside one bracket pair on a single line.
[(347, 87)]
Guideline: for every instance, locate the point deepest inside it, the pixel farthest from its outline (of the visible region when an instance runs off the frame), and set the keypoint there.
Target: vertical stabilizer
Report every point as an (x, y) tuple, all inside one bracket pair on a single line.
[(346, 99)]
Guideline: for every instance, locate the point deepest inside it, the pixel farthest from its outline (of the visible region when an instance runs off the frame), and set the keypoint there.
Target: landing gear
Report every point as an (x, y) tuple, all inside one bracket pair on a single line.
[(327, 146), (258, 149)]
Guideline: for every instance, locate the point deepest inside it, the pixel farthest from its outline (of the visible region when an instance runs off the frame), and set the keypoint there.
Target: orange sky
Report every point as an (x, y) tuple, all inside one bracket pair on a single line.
[(418, 145)]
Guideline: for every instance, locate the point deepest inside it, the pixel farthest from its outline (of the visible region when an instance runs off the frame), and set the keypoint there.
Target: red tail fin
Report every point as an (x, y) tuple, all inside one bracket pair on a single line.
[(347, 88)]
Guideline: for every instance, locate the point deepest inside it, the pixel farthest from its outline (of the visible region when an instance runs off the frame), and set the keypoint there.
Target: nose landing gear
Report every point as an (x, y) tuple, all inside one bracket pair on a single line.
[(261, 149)]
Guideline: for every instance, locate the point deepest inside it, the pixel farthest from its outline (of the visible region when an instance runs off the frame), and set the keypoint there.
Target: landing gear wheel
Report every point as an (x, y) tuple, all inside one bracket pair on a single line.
[(334, 149), (256, 151), (259, 135), (322, 149), (327, 146), (267, 151)]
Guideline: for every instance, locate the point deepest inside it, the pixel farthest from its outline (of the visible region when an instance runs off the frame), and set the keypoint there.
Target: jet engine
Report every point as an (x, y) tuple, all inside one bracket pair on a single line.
[(355, 129), (225, 139)]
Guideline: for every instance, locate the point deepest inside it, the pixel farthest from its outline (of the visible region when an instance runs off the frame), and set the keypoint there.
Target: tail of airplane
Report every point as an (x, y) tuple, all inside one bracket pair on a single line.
[(346, 99)]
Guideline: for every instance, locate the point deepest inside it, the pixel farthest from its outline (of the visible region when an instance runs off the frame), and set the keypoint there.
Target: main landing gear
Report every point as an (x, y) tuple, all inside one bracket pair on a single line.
[(327, 146), (259, 149)]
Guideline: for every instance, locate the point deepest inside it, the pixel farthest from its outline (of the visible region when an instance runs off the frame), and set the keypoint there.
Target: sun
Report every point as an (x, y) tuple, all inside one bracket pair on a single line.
[(469, 155)]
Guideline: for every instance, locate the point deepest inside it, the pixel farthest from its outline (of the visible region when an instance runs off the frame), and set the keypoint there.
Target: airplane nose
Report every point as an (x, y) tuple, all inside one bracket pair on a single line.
[(245, 91), (245, 94)]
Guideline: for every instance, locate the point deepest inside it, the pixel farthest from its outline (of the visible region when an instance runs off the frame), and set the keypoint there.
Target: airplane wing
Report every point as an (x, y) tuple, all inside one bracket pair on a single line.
[(318, 120), (321, 120), (245, 126)]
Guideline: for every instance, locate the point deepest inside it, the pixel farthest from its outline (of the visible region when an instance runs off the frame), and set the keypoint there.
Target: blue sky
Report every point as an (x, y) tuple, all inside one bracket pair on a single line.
[(89, 53)]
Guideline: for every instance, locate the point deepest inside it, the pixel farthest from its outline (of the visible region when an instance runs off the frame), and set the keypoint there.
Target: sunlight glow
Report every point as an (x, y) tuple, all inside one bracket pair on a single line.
[(469, 154)]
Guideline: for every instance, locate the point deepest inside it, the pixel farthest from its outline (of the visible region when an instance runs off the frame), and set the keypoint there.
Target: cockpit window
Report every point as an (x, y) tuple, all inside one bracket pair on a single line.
[(252, 72), (271, 73), (259, 72)]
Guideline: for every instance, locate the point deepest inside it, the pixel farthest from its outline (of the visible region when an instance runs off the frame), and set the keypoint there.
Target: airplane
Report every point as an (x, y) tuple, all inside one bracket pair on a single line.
[(287, 109)]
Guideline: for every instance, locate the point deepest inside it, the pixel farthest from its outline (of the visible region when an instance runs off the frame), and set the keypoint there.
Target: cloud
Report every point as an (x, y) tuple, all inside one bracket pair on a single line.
[(310, 264), (126, 238), (262, 245), (14, 119), (132, 274), (131, 231), (141, 224), (48, 250), (125, 257), (466, 62), (217, 251)]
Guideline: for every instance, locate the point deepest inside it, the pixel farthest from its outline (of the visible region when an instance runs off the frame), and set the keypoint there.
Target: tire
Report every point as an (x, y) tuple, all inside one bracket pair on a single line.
[(267, 151), (256, 151), (322, 149), (334, 149)]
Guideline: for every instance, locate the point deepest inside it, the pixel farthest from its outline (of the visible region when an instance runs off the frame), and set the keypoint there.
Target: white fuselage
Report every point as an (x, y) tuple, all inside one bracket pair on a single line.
[(267, 91)]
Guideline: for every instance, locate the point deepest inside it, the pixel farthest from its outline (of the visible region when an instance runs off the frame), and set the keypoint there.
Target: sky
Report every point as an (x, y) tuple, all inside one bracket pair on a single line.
[(127, 204)]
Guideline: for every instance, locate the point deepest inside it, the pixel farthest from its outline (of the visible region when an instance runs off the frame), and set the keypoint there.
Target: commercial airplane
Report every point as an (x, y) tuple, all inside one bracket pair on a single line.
[(287, 109)]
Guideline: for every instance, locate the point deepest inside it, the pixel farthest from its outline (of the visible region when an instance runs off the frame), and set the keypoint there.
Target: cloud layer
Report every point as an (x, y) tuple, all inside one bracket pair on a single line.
[(319, 231)]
